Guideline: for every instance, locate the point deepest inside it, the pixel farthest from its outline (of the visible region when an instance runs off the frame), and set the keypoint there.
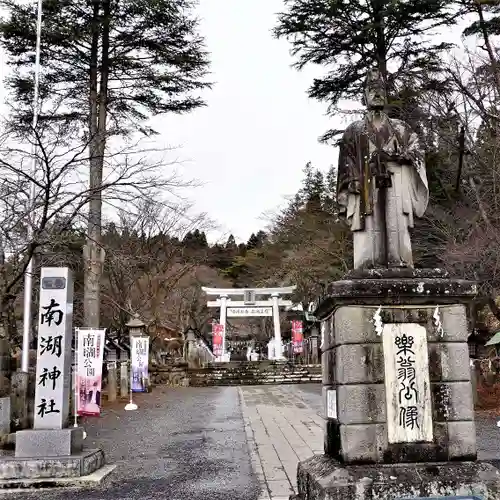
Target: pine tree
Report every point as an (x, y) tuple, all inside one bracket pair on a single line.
[(231, 243), (349, 36), (252, 242), (141, 57), (107, 65)]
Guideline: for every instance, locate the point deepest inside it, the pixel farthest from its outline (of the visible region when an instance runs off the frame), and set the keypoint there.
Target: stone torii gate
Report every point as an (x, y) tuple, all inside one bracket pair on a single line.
[(250, 303)]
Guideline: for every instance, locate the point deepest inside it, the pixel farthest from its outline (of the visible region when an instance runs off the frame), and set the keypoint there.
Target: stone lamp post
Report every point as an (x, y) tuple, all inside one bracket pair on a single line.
[(136, 327)]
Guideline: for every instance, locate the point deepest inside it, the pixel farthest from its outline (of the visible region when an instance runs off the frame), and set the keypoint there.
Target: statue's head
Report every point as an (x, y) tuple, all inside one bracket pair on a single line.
[(375, 93)]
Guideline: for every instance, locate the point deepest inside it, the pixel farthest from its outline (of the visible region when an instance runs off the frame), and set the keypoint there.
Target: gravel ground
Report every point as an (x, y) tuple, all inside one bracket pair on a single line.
[(181, 444)]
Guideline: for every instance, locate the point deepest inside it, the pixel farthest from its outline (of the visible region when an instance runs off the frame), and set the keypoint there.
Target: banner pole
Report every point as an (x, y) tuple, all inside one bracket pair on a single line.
[(75, 380)]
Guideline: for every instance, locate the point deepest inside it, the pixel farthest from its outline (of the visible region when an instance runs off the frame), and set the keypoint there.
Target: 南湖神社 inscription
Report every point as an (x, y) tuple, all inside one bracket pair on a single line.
[(54, 350), (408, 397)]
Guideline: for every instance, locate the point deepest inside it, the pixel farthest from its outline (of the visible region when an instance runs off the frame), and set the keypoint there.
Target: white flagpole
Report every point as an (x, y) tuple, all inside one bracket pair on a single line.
[(77, 391), (77, 387), (28, 275)]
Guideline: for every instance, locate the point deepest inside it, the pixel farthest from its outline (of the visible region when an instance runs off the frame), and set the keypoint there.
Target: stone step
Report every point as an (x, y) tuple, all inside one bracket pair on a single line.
[(248, 373)]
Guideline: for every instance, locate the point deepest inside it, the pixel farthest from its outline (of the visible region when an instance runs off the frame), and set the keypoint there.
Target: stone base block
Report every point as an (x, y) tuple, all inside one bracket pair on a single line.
[(49, 443), (5, 415), (323, 478), (77, 465), (90, 481)]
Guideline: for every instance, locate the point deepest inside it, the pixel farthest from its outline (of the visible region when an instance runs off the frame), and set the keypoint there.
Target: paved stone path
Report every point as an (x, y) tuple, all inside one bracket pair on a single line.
[(284, 425), (282, 429), (219, 443)]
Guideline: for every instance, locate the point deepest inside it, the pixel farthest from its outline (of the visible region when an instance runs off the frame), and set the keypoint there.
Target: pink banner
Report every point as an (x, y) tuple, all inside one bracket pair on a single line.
[(89, 379), (297, 337), (217, 333)]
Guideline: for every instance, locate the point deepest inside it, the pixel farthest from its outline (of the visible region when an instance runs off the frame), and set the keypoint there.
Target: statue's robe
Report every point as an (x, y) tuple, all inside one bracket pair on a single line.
[(408, 196)]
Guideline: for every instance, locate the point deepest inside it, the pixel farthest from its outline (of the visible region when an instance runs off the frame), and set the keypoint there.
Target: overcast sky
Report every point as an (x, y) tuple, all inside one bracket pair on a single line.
[(250, 144)]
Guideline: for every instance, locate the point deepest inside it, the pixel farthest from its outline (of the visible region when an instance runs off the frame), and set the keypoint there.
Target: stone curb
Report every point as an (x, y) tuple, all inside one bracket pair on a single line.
[(96, 478)]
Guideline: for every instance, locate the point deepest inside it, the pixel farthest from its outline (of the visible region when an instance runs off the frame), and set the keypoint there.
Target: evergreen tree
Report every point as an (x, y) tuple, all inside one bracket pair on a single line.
[(140, 57), (195, 240), (231, 243), (107, 65), (252, 241), (256, 240), (313, 190), (349, 36)]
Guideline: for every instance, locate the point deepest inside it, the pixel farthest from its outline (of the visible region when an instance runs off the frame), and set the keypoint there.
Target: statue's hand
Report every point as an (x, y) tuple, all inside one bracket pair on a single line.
[(355, 187), (405, 159)]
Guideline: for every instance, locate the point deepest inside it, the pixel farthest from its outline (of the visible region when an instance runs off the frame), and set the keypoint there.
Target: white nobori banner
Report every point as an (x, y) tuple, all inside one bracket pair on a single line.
[(139, 352), (90, 352)]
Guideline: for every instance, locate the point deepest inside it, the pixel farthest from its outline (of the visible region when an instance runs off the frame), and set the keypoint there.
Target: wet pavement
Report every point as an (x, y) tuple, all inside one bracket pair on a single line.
[(181, 444), (282, 430), (219, 443)]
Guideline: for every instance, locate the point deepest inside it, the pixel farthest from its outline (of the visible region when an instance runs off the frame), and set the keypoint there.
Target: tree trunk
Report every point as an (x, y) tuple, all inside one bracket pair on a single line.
[(489, 48), (380, 44), (93, 252)]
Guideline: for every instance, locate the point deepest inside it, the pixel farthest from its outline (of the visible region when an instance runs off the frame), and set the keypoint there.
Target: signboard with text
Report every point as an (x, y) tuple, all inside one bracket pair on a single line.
[(235, 312), (90, 350), (407, 384), (53, 367)]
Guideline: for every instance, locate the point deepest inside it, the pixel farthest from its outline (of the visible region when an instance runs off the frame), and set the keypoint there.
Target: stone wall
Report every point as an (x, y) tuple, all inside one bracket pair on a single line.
[(175, 375), (254, 373)]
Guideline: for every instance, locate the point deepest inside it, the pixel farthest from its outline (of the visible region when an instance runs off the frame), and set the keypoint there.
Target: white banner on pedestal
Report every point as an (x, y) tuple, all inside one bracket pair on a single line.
[(90, 353), (139, 360)]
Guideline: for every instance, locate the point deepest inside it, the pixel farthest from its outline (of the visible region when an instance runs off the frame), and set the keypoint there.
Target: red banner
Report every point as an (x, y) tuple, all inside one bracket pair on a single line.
[(217, 334), (297, 337)]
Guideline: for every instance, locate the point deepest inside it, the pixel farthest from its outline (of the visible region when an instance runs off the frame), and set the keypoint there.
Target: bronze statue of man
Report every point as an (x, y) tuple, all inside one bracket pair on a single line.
[(382, 183)]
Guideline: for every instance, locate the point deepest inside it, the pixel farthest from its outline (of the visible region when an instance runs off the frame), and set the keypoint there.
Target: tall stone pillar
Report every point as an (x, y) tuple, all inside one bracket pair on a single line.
[(124, 379), (222, 321), (399, 413), (278, 348), (52, 450)]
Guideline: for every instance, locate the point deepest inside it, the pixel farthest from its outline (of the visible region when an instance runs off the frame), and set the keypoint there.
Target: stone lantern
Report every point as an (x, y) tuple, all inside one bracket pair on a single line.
[(136, 327), (189, 347)]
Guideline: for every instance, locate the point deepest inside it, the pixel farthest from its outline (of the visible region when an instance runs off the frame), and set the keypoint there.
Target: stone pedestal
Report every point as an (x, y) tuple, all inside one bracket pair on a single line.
[(324, 478), (19, 400), (396, 386), (124, 379), (49, 443)]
